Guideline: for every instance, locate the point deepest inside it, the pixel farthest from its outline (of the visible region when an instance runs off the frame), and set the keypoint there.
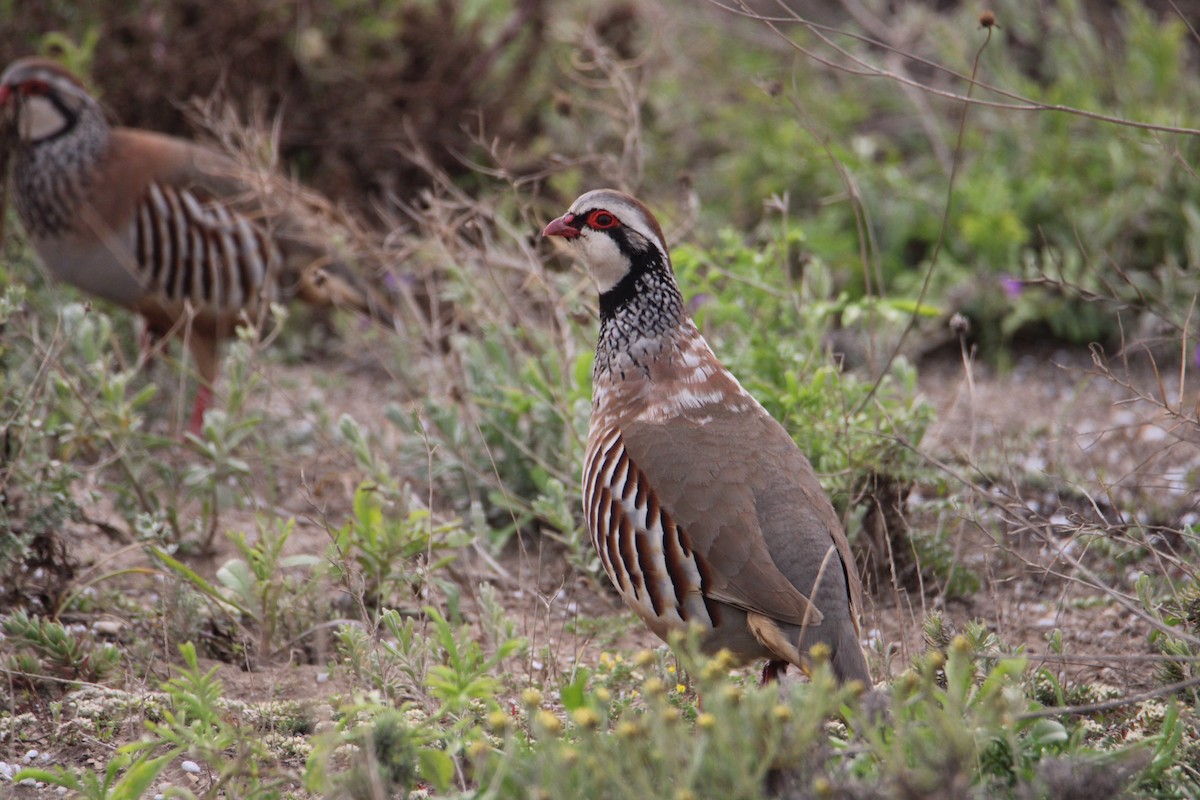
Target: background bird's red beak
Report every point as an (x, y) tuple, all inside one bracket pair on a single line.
[(561, 227)]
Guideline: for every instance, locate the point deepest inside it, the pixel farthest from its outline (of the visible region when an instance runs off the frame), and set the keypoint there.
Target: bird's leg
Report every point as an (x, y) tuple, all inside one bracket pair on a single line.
[(203, 401), (773, 671), (203, 347)]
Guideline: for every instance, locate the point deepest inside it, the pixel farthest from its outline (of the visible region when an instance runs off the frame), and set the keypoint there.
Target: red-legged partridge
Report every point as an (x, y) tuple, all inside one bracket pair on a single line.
[(700, 505), (153, 223)]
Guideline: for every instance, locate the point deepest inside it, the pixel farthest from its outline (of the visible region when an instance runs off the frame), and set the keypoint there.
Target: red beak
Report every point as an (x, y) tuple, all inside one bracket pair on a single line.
[(561, 227)]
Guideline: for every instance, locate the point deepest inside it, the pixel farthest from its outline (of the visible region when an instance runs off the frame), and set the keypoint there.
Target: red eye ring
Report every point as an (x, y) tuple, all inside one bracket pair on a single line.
[(601, 220)]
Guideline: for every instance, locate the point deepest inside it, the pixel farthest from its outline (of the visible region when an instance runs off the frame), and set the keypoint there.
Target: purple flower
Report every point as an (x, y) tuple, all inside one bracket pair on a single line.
[(697, 302), (1012, 286)]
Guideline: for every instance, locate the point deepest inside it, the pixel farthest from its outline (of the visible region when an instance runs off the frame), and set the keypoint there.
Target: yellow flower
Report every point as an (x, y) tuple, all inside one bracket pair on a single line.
[(644, 658), (781, 713), (627, 729), (680, 688), (585, 718), (603, 694), (706, 721), (531, 697), (548, 722), (654, 687), (726, 658), (498, 720)]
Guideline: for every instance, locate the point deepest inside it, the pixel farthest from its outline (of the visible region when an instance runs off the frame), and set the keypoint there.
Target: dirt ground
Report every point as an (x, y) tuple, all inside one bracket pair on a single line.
[(1051, 413)]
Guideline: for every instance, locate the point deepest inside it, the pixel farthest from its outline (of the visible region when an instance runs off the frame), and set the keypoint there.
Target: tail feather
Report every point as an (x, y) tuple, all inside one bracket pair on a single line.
[(849, 661)]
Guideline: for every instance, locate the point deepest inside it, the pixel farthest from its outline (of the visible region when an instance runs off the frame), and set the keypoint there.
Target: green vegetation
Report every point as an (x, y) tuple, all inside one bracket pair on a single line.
[(368, 576)]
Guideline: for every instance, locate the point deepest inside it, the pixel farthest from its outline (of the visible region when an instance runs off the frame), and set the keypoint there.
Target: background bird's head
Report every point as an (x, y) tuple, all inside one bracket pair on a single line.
[(616, 236), (40, 99)]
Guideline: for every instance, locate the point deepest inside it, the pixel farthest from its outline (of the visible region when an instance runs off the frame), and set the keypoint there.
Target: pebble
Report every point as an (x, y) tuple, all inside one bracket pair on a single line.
[(6, 771), (191, 766), (107, 627), (31, 755)]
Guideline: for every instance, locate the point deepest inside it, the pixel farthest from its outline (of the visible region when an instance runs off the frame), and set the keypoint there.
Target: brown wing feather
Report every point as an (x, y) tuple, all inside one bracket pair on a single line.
[(773, 566)]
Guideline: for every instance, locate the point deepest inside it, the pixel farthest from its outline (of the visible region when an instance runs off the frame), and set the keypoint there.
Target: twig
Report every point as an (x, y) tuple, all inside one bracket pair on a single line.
[(1109, 705)]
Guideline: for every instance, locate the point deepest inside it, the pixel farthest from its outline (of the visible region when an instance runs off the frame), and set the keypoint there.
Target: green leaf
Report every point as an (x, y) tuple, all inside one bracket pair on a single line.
[(194, 578), (1049, 731), (437, 767), (58, 777), (572, 694), (137, 780)]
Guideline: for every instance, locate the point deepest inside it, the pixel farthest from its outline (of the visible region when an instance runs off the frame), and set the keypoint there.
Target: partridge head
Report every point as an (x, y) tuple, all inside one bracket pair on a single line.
[(700, 505), (153, 223)]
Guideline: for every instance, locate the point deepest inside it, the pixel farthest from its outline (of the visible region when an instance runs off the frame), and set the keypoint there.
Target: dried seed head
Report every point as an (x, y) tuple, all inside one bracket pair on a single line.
[(987, 19), (959, 324)]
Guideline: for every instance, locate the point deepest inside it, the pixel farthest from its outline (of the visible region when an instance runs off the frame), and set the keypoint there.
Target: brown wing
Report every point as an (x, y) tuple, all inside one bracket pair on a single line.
[(752, 508)]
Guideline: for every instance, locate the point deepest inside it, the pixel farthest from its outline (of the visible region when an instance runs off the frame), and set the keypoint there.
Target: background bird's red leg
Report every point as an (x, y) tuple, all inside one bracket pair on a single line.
[(203, 401), (204, 350)]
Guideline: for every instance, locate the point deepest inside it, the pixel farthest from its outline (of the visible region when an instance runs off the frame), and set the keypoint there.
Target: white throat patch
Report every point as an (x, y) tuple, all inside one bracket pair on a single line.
[(607, 264), (39, 119)]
